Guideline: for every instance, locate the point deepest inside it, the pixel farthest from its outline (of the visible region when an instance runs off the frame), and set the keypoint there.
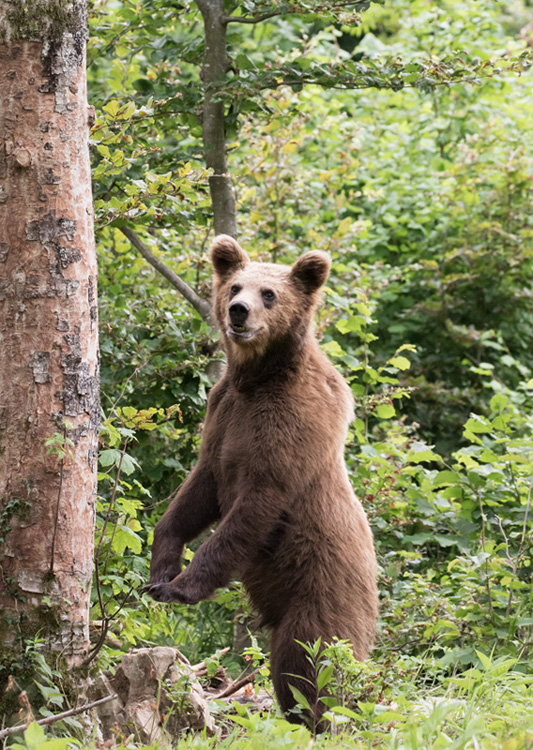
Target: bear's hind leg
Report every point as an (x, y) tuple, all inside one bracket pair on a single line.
[(291, 665)]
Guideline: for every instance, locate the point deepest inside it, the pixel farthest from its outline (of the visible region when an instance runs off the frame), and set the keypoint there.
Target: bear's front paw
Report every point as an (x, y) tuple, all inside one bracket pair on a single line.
[(173, 591), (165, 571), (165, 565)]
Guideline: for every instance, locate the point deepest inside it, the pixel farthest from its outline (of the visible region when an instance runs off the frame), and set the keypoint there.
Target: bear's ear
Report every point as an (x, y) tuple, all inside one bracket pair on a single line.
[(311, 270), (227, 255)]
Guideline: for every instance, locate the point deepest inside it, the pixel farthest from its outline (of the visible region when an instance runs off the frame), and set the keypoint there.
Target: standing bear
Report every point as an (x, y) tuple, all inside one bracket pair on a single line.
[(271, 470)]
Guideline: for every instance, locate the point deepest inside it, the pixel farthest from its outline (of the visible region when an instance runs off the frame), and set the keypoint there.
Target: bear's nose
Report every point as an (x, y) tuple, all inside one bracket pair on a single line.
[(238, 312)]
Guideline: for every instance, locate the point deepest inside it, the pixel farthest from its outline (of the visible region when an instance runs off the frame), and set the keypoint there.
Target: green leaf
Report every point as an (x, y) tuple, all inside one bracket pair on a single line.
[(124, 539), (477, 424), (351, 325), (352, 362), (333, 348), (485, 661), (446, 478), (109, 457), (364, 309), (112, 107), (129, 464), (127, 111), (300, 697), (34, 735), (524, 622), (498, 402), (387, 716), (58, 743), (421, 452), (402, 363), (343, 711), (385, 411), (324, 676)]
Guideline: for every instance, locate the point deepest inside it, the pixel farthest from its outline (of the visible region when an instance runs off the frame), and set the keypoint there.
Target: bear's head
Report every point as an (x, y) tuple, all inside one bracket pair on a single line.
[(258, 305)]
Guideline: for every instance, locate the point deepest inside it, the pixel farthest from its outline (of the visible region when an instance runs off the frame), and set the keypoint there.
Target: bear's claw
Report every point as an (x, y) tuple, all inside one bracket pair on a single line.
[(165, 592)]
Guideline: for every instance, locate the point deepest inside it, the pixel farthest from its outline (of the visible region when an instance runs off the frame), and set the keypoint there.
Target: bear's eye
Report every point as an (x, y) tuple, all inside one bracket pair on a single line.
[(234, 290), (268, 295)]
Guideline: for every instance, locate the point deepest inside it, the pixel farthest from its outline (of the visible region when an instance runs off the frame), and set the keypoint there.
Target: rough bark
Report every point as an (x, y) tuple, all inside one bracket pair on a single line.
[(216, 65), (49, 383)]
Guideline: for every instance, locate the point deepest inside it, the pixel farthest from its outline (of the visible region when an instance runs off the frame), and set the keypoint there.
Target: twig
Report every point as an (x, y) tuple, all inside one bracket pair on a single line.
[(164, 500), (486, 565), (133, 374), (111, 502), (507, 547), (237, 685), (524, 526), (105, 627), (105, 617), (59, 717), (515, 563), (202, 306)]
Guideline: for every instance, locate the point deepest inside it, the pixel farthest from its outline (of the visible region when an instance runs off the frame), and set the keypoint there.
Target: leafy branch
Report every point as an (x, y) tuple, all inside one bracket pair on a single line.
[(259, 12), (392, 73)]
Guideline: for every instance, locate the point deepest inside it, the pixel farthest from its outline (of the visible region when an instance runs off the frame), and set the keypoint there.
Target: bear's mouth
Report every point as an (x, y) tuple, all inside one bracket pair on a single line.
[(236, 332)]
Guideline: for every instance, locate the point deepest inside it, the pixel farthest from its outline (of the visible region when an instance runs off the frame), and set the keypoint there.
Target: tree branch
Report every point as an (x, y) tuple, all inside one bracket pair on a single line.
[(294, 10), (58, 717), (257, 19), (202, 306), (237, 685)]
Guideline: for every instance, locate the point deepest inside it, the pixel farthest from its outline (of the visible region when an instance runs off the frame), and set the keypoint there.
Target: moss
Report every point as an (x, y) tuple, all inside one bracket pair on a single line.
[(52, 23), (45, 22)]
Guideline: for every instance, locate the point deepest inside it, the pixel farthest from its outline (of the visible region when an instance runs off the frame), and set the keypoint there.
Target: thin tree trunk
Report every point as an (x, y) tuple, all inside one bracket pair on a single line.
[(215, 67), (49, 384)]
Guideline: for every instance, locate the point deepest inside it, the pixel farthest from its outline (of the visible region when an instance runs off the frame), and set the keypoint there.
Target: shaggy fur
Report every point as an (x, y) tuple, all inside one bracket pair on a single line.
[(271, 470)]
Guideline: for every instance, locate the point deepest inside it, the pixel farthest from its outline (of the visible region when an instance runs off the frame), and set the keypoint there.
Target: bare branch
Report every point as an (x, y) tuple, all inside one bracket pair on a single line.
[(201, 665), (202, 306), (58, 717), (237, 685)]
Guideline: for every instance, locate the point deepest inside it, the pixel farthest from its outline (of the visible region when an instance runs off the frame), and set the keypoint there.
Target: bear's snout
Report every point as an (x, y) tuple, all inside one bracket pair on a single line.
[(238, 313)]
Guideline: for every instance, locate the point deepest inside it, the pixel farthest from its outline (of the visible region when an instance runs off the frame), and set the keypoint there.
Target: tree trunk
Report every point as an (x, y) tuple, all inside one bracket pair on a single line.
[(216, 65), (49, 380)]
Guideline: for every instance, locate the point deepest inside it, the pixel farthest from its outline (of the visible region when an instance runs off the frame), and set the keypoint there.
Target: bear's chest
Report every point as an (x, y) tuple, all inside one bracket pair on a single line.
[(238, 439), (229, 444)]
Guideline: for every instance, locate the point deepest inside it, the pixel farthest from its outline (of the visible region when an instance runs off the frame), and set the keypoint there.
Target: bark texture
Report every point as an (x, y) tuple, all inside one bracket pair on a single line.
[(49, 382), (216, 65)]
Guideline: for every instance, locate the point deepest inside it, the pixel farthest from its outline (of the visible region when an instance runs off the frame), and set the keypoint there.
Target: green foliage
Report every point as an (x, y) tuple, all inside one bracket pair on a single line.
[(34, 737), (397, 138), (59, 444)]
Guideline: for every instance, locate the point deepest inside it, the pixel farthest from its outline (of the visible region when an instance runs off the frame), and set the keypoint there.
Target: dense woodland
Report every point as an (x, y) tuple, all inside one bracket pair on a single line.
[(397, 137)]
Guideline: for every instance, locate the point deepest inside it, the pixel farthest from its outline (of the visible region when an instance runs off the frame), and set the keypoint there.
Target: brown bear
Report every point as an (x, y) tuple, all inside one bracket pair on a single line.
[(271, 470)]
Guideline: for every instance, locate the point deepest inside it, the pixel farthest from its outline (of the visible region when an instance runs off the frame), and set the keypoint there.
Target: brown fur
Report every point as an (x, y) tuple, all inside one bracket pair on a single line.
[(271, 469)]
